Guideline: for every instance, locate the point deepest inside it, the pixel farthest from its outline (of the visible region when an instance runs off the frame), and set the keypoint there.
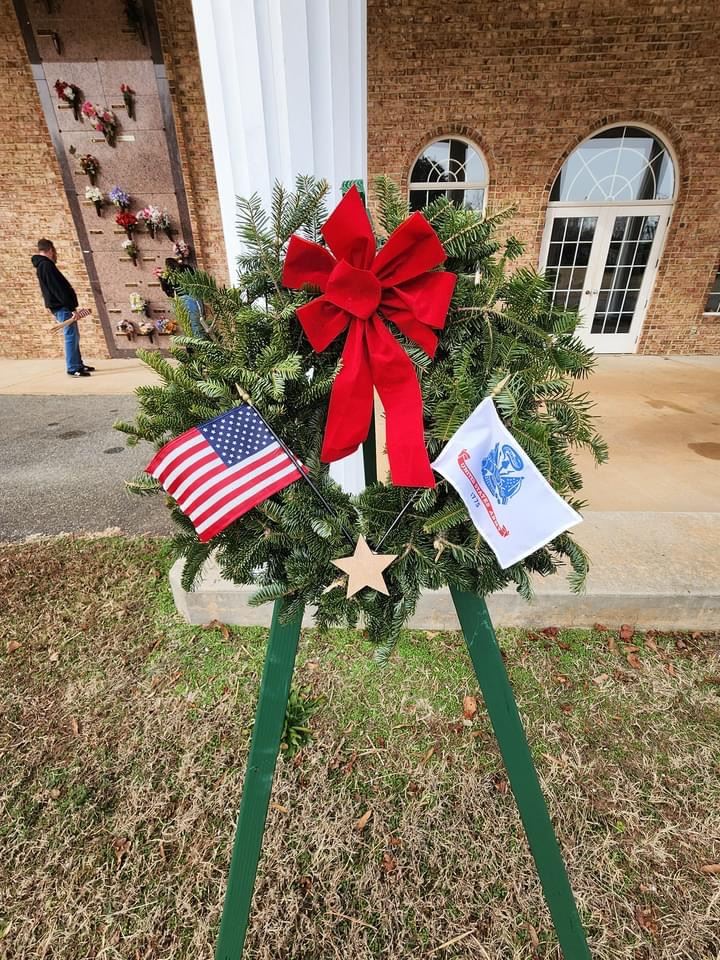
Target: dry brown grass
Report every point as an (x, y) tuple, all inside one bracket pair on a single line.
[(123, 735)]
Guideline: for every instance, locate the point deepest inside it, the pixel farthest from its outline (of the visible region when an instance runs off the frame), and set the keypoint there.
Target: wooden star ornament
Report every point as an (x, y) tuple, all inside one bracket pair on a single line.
[(364, 568)]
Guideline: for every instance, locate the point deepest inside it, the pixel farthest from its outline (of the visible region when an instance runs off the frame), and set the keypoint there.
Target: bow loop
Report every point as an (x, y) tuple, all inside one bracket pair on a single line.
[(359, 291)]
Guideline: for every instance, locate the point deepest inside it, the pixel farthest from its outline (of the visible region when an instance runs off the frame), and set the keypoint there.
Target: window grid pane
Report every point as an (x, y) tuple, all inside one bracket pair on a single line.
[(627, 257), (568, 258), (449, 168)]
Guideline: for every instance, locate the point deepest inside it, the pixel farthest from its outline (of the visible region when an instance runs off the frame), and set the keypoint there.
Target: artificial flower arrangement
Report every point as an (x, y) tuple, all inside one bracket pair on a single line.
[(181, 251), (166, 325), (130, 248), (96, 196), (128, 95), (120, 198), (103, 120), (90, 166), (151, 217), (128, 221), (127, 328), (138, 304), (146, 328), (70, 93)]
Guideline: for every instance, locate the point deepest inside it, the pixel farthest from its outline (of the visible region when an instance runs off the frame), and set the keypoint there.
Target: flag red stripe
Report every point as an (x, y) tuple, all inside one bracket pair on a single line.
[(169, 447), (236, 488), (209, 456), (247, 505), (207, 487)]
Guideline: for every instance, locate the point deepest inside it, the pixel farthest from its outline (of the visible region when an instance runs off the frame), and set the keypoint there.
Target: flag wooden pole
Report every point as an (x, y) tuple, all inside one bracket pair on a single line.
[(264, 749), (501, 706)]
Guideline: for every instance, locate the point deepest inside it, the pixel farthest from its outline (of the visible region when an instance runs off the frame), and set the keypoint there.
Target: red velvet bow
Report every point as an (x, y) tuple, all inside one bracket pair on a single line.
[(356, 285)]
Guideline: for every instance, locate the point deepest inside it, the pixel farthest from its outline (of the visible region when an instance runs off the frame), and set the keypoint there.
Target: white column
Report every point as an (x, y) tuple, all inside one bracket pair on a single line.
[(286, 93)]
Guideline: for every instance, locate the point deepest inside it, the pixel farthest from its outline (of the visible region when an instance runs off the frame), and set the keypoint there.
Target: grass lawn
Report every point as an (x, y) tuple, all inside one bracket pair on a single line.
[(123, 737)]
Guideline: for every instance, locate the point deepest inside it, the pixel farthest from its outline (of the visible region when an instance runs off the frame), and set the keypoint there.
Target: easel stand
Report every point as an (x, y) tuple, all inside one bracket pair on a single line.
[(502, 709)]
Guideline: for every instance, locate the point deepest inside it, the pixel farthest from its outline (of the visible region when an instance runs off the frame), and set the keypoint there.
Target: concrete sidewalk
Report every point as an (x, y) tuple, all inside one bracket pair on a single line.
[(47, 378)]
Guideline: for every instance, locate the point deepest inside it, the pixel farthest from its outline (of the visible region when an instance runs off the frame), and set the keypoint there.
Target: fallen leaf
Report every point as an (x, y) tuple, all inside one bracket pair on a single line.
[(600, 628), (550, 631), (627, 632), (362, 822), (394, 842), (710, 868), (611, 645), (600, 679), (75, 726), (646, 919), (671, 669), (500, 783), (566, 708), (279, 807), (413, 788), (651, 645), (13, 645), (54, 657), (631, 648), (470, 707), (216, 625), (561, 678), (54, 793), (634, 660), (431, 634), (532, 933), (680, 643), (121, 846), (350, 765), (428, 755), (389, 863)]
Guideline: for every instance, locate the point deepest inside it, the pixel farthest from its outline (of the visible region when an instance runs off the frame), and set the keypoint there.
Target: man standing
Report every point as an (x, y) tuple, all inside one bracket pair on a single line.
[(62, 301)]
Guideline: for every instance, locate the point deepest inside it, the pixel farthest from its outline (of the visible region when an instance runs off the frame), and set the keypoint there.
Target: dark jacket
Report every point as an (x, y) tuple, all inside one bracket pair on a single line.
[(172, 289), (57, 291)]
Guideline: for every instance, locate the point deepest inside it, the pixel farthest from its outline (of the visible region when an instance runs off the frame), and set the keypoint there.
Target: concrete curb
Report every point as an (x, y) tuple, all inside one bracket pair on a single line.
[(645, 572)]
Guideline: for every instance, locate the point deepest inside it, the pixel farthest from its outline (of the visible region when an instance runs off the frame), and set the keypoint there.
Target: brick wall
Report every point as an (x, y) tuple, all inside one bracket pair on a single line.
[(177, 31), (528, 81), (33, 205), (33, 196)]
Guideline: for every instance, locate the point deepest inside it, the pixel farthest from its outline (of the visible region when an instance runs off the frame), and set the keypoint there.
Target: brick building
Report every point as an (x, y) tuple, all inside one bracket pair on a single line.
[(597, 121)]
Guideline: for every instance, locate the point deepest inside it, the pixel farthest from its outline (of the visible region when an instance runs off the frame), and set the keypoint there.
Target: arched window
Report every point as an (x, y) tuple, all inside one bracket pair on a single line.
[(452, 168), (609, 209), (620, 165)]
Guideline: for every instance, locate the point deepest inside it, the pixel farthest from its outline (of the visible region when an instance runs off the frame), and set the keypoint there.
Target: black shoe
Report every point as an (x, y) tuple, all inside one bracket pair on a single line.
[(88, 369), (79, 373)]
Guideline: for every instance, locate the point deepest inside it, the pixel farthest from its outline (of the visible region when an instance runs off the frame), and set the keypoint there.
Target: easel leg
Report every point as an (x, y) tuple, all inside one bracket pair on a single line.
[(264, 748), (502, 709)]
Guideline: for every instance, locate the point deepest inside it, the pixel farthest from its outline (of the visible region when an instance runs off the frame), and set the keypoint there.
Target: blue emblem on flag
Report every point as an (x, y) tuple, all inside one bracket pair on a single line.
[(499, 471)]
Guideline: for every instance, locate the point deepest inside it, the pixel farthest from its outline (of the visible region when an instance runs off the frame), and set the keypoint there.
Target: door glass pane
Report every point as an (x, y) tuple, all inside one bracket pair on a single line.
[(627, 257), (568, 256)]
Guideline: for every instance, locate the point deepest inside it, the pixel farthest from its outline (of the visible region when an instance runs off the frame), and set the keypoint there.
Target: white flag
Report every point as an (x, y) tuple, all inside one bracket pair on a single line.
[(509, 501)]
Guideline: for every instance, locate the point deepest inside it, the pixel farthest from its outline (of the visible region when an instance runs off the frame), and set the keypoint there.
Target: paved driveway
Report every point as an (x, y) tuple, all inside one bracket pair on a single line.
[(62, 468)]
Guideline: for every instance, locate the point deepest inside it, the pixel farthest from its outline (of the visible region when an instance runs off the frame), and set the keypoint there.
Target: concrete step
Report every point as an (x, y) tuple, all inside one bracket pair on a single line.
[(653, 570)]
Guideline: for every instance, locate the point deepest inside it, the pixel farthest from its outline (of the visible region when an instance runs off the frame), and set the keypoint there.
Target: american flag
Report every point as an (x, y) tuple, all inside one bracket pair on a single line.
[(218, 471)]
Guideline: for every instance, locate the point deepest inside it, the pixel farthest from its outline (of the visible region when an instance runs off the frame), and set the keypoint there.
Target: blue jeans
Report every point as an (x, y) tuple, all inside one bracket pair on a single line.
[(73, 359), (194, 312)]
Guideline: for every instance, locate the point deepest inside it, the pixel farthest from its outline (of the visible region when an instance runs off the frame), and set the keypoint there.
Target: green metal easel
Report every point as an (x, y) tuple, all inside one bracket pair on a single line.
[(265, 745)]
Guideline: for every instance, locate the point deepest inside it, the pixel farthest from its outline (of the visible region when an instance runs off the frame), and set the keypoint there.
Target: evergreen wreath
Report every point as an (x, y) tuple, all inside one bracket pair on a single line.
[(502, 335)]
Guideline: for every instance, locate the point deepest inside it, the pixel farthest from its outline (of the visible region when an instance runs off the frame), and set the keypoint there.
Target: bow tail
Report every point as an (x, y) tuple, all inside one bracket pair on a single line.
[(394, 376), (351, 399)]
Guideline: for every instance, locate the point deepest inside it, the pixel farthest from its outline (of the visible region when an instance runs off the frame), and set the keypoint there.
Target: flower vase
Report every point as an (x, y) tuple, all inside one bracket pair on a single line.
[(129, 99), (92, 178), (109, 134), (168, 233), (98, 207), (152, 230), (129, 233), (76, 108), (134, 258)]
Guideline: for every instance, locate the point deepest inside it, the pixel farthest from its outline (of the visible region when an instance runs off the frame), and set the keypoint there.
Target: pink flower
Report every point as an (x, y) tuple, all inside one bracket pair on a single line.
[(88, 109)]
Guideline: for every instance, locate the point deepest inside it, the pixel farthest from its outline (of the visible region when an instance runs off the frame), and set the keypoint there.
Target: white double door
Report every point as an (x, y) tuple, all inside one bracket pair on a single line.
[(602, 261)]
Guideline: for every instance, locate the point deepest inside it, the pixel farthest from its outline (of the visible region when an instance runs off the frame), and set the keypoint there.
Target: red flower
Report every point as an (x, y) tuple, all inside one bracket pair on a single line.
[(361, 291), (88, 109), (128, 221)]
